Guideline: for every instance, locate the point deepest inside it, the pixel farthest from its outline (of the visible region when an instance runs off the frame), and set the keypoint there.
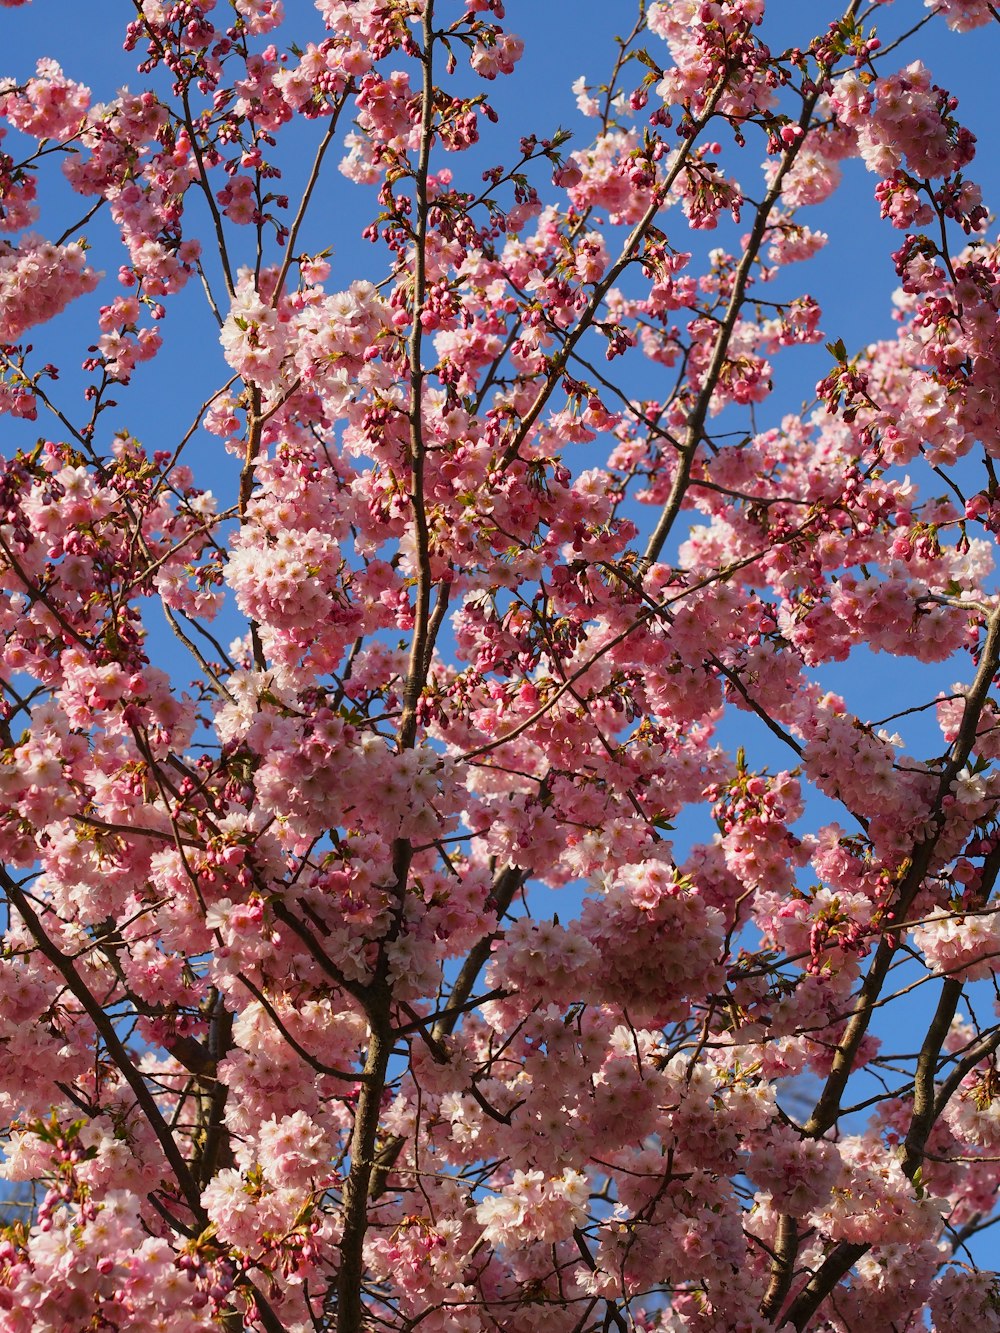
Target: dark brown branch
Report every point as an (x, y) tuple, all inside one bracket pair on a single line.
[(928, 1104), (558, 362), (699, 413), (828, 1107), (350, 1279), (293, 233), (105, 1027), (506, 887)]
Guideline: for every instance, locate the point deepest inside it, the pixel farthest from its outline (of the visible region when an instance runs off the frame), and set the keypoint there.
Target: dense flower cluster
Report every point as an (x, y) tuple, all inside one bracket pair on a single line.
[(449, 884)]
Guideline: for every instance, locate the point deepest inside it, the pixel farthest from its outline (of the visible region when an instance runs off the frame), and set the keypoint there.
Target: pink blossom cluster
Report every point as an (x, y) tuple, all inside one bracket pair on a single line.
[(48, 106), (482, 912), (703, 39), (37, 281), (961, 15), (961, 1295), (901, 121), (958, 944)]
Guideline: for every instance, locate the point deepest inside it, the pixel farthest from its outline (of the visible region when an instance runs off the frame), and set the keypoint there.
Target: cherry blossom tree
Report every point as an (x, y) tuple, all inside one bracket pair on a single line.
[(445, 888)]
